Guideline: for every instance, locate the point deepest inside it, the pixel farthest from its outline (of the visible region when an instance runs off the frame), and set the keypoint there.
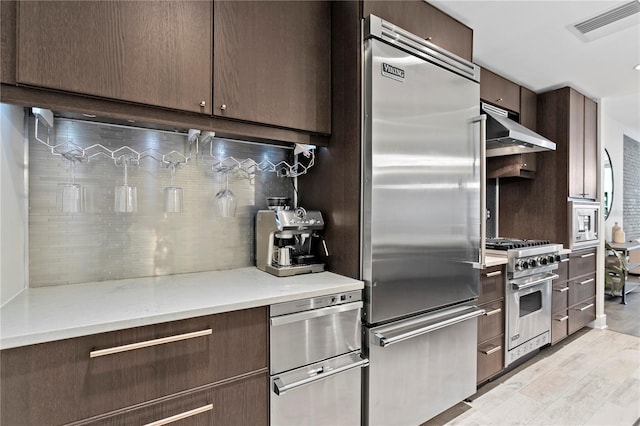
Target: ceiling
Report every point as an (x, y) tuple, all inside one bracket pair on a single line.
[(529, 43)]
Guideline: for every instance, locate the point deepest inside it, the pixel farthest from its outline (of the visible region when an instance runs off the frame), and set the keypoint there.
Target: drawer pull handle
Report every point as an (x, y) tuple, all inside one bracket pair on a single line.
[(561, 290), (586, 281), (584, 308), (561, 319), (493, 274), (495, 311), (565, 260), (587, 255), (491, 351), (181, 416), (147, 343)]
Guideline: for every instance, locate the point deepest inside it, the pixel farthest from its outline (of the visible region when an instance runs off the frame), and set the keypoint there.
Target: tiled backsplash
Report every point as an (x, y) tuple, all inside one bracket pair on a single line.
[(100, 244)]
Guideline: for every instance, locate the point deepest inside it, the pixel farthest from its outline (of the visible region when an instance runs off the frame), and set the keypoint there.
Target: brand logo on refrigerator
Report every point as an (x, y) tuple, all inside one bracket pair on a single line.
[(392, 72)]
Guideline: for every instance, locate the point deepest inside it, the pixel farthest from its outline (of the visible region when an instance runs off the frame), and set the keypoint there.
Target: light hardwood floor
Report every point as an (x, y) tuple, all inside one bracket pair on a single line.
[(591, 378)]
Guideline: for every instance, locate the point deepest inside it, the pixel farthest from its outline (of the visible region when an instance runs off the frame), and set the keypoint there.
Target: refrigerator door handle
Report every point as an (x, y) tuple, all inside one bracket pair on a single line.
[(385, 341), (279, 388), (482, 119)]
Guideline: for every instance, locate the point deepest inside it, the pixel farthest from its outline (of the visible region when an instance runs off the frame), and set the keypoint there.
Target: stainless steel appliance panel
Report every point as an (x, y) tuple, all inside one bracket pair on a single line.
[(421, 185), (421, 367), (306, 337), (326, 393), (584, 217), (528, 308)]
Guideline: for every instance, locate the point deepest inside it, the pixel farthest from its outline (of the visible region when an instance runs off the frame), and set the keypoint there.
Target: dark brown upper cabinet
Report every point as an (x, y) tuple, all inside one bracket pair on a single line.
[(499, 91), (427, 22), (272, 63), (155, 53)]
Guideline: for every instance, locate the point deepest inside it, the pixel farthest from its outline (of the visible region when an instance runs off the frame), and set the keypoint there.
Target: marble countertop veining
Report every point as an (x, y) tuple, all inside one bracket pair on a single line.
[(46, 314)]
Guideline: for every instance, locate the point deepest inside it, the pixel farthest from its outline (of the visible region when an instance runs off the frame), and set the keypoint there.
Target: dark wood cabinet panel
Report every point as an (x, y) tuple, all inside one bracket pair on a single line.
[(499, 91), (492, 283), (559, 325), (590, 148), (272, 63), (576, 144), (559, 296), (582, 262), (425, 21), (238, 403), (491, 324), (581, 315), (517, 165), (8, 41), (58, 382), (490, 358), (156, 53), (528, 108)]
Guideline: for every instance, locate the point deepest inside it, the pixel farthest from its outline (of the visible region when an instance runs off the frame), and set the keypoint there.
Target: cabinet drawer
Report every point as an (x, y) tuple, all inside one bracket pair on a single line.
[(491, 284), (490, 358), (491, 324), (237, 403), (559, 296), (582, 262), (559, 326), (563, 269), (581, 315), (65, 375), (582, 288)]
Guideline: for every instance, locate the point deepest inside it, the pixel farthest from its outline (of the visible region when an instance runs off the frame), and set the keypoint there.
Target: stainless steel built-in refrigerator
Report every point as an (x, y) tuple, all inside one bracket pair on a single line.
[(421, 229)]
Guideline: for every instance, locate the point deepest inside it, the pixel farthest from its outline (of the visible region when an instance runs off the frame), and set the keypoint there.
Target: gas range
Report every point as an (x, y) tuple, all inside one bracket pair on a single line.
[(525, 257)]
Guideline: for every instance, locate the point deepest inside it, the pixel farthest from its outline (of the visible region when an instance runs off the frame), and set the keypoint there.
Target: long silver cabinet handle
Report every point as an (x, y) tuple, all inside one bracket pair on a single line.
[(181, 416), (388, 341), (492, 350), (586, 281), (280, 388), (584, 308), (561, 290), (482, 119), (536, 282), (147, 343), (587, 255), (315, 313), (561, 319), (565, 260), (495, 311), (493, 274)]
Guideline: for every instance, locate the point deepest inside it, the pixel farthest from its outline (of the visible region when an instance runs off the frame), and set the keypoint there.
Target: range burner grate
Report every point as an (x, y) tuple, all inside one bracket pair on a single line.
[(513, 243)]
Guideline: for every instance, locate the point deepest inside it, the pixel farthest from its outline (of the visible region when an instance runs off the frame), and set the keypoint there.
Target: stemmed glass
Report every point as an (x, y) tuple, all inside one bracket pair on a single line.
[(225, 199), (173, 194), (126, 199), (70, 194)]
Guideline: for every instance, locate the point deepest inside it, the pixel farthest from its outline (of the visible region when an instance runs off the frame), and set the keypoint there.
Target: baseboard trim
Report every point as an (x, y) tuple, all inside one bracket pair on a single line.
[(600, 322)]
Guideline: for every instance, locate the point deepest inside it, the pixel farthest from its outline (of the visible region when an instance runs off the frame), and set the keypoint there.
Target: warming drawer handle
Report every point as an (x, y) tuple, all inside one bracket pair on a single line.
[(495, 311), (587, 255), (586, 281), (388, 341), (561, 319), (536, 282), (584, 308), (181, 416), (315, 313), (493, 274), (561, 290), (280, 388), (491, 351), (147, 343)]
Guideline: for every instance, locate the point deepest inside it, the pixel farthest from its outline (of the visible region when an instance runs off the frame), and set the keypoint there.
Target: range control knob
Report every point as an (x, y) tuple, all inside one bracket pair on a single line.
[(533, 263), (544, 260), (557, 258), (551, 258), (521, 265)]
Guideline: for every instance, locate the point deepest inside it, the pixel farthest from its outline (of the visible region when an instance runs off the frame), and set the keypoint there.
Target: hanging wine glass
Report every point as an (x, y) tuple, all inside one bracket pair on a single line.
[(173, 194), (126, 198), (225, 199), (70, 197)]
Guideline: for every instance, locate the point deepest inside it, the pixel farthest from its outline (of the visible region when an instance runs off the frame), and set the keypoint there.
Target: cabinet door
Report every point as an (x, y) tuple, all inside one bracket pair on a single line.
[(590, 148), (499, 91), (425, 21), (576, 144), (156, 53), (528, 108), (272, 63)]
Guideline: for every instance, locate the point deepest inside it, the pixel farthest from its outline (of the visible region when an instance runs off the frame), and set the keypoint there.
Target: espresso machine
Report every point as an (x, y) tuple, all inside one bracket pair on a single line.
[(287, 241)]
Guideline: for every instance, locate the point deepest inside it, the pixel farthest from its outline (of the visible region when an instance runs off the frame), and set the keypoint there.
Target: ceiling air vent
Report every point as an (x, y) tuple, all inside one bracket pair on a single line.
[(608, 22)]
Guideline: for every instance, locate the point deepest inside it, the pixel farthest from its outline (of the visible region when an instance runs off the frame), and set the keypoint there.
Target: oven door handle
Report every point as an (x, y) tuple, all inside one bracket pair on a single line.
[(279, 388), (534, 283)]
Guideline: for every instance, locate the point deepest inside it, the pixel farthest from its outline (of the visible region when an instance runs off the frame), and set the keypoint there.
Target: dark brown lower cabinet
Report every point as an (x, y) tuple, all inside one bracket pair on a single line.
[(75, 379), (490, 358), (491, 324), (582, 314)]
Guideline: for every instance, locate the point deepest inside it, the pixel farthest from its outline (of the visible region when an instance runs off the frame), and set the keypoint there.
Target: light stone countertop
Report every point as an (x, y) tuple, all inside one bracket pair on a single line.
[(494, 260), (46, 314)]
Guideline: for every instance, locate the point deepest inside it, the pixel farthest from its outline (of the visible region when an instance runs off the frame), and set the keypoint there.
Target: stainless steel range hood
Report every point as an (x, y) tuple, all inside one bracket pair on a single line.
[(506, 137)]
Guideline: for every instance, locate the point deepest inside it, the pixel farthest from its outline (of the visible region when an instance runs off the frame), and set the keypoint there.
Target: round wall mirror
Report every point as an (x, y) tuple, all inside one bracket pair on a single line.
[(607, 180)]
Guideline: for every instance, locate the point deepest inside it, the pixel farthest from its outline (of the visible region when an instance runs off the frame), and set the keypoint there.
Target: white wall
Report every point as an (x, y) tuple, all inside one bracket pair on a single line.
[(612, 133), (13, 203)]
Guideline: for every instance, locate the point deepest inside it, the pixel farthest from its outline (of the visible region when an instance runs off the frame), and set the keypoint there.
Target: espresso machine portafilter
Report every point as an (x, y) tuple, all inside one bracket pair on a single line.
[(285, 241)]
